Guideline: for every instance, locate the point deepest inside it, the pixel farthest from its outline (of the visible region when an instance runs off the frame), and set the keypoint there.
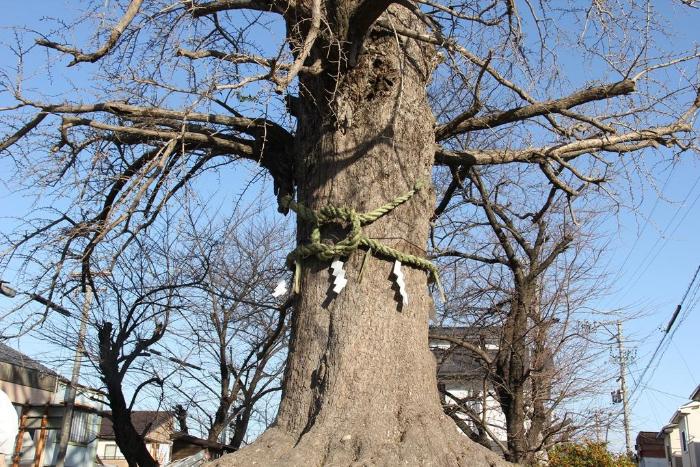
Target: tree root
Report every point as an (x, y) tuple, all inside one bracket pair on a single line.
[(423, 441)]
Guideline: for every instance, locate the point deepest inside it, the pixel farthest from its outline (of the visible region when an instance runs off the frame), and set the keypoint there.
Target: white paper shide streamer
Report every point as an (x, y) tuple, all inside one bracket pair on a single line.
[(339, 274), (281, 289), (398, 273)]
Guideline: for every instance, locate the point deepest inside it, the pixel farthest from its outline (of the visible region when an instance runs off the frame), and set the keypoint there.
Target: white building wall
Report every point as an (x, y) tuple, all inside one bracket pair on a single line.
[(672, 447), (653, 462), (495, 419), (108, 451), (690, 425)]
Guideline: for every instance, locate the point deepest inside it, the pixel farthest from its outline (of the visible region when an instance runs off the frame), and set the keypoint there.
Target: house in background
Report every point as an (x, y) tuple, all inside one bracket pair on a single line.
[(462, 376), (157, 428), (681, 435), (650, 450), (167, 446), (672, 445), (695, 396), (687, 418), (37, 394)]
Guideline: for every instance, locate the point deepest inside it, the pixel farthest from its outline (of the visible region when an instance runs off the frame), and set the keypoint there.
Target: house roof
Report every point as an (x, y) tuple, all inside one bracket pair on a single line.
[(647, 435), (18, 368), (666, 430), (683, 410), (649, 445), (696, 394), (145, 422), (17, 358)]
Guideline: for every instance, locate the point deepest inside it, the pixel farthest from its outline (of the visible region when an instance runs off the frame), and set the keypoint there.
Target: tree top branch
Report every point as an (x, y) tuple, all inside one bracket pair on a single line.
[(114, 36)]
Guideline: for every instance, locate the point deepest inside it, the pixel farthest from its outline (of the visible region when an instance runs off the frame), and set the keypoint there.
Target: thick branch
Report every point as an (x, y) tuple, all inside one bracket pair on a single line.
[(223, 144), (533, 110), (251, 126), (203, 9), (626, 142), (365, 14), (29, 126), (558, 249)]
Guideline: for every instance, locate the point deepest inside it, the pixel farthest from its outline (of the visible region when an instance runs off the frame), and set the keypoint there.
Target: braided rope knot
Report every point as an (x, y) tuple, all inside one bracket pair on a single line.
[(355, 238), (325, 251)]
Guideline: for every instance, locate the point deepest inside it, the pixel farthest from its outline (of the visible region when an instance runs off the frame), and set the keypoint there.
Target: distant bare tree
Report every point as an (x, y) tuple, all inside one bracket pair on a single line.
[(191, 302), (526, 271), (134, 306), (235, 330)]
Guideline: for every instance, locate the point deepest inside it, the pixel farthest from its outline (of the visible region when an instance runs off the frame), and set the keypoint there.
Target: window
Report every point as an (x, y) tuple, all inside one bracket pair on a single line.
[(110, 451), (684, 442), (79, 432)]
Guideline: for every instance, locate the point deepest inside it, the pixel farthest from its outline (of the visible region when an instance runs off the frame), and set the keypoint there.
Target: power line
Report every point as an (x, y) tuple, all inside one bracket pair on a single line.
[(691, 373), (673, 332), (656, 249), (665, 393), (661, 248), (647, 219), (666, 334)]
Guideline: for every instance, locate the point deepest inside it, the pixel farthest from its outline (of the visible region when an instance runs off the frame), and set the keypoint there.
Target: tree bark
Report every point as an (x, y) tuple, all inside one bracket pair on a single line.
[(360, 387), (512, 363), (241, 426)]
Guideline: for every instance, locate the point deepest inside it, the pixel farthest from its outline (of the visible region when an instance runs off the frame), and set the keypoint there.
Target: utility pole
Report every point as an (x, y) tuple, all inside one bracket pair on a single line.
[(69, 398), (622, 357)]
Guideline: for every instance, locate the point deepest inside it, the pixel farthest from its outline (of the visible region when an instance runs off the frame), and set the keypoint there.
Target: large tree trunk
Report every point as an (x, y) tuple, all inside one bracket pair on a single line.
[(360, 385)]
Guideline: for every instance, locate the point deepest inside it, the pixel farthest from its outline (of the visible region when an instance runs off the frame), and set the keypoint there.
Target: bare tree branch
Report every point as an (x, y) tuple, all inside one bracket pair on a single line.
[(29, 126), (461, 125), (309, 41), (115, 34), (623, 143), (207, 8)]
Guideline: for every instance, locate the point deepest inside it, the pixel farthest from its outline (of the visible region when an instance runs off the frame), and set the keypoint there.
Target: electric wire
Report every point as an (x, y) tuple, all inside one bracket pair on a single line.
[(618, 274), (673, 332), (691, 373), (655, 249), (658, 251), (668, 333)]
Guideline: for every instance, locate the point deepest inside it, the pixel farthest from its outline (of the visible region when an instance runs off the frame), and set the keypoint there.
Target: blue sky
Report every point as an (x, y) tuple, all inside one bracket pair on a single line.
[(653, 253), (653, 257)]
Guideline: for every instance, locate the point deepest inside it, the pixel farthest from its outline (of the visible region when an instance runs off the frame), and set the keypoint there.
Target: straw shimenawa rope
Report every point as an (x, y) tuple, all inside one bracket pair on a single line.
[(355, 238)]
